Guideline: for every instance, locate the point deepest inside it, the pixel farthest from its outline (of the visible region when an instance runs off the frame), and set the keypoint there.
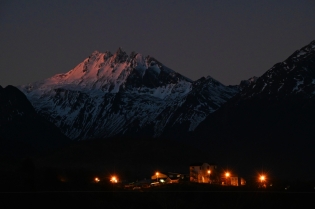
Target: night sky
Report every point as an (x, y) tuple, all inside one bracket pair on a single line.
[(228, 40)]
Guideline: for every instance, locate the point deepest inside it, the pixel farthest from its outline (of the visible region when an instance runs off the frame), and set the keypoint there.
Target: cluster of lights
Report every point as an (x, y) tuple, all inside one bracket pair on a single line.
[(262, 178), (113, 179)]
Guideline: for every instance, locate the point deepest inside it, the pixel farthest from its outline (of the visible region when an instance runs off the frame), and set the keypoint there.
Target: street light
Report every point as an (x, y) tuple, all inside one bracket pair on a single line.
[(209, 172), (262, 178), (227, 175), (114, 179), (157, 176)]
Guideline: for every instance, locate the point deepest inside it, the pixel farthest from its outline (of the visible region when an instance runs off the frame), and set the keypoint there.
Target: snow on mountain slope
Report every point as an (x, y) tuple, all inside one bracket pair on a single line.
[(294, 75), (116, 94)]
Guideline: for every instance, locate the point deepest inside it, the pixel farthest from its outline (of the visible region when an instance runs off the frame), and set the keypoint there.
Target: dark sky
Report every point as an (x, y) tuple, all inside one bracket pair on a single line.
[(228, 40)]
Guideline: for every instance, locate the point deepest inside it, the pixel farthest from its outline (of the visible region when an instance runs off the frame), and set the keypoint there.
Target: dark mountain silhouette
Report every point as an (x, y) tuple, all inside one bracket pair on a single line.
[(270, 124), (22, 131), (129, 159)]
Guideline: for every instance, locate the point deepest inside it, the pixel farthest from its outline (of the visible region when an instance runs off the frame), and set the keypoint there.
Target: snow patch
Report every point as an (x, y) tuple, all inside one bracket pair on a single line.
[(280, 86), (155, 68), (265, 84), (298, 83)]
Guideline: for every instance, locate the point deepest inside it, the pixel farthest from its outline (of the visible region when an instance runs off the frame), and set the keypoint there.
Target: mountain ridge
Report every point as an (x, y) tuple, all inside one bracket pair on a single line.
[(271, 120), (113, 94)]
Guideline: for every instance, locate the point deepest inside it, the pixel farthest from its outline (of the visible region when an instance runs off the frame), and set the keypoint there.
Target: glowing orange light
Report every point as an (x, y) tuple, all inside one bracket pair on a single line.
[(114, 179), (227, 174), (262, 178), (209, 171), (96, 179), (157, 176)]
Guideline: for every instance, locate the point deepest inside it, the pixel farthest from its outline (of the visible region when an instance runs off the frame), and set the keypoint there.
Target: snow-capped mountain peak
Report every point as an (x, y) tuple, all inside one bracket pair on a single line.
[(109, 94), (112, 73)]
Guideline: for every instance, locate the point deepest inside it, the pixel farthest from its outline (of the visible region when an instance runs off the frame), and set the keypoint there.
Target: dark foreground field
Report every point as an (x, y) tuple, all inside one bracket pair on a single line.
[(161, 198)]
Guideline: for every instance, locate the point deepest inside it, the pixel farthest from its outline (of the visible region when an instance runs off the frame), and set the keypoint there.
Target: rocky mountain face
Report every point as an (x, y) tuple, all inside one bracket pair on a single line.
[(22, 131), (294, 76), (271, 122), (115, 94)]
